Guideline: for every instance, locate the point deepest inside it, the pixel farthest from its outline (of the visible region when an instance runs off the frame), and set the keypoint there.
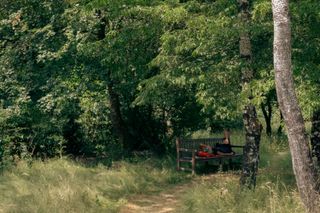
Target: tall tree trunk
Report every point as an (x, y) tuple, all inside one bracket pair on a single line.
[(115, 112), (315, 135), (251, 123), (267, 114), (301, 156), (116, 117)]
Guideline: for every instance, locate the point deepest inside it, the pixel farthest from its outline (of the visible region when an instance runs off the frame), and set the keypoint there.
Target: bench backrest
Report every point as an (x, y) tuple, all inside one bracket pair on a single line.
[(195, 143)]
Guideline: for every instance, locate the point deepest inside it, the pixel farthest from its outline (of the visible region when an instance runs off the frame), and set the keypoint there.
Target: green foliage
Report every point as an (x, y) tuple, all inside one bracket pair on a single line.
[(96, 127), (14, 115), (305, 54), (27, 62), (194, 71), (57, 68), (173, 66), (304, 51)]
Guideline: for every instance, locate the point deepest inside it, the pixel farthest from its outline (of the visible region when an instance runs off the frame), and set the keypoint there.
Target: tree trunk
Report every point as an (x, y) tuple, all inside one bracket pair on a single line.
[(251, 150), (116, 117), (303, 167), (115, 112), (267, 114), (250, 120), (279, 131), (315, 135)]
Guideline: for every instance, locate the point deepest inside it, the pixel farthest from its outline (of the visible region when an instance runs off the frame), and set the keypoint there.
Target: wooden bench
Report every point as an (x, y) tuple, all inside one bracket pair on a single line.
[(187, 150)]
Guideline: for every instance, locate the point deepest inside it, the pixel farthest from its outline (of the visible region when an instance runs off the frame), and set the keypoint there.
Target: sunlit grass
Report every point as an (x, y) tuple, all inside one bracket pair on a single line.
[(222, 194), (62, 185)]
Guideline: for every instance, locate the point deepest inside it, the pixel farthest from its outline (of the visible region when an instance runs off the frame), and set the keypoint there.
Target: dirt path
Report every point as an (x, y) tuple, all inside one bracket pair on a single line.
[(168, 201), (165, 202)]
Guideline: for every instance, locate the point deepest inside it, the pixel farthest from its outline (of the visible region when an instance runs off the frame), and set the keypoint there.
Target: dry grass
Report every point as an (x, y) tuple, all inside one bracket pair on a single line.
[(65, 186), (62, 185)]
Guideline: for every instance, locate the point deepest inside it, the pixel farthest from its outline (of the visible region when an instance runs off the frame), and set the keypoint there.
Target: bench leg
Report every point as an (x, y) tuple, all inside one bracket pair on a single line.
[(220, 165), (178, 161), (206, 164), (193, 162), (230, 164), (178, 153)]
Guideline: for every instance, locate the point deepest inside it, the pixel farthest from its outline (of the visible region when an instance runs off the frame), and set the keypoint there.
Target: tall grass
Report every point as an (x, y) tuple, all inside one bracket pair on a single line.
[(222, 194), (62, 185), (276, 191)]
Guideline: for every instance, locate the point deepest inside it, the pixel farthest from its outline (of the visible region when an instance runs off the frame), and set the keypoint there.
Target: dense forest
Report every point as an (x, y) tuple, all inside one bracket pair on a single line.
[(97, 77), (109, 78)]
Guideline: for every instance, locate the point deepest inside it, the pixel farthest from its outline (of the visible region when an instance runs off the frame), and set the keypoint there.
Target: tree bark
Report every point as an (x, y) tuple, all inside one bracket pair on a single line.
[(251, 123), (267, 114), (303, 167), (251, 150), (315, 135)]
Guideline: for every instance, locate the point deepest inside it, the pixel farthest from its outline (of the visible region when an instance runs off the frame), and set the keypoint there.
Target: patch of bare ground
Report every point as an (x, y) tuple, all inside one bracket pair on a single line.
[(169, 200)]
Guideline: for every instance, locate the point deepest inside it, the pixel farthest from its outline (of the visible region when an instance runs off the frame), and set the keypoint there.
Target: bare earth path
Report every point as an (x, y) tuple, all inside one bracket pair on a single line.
[(165, 202), (168, 201)]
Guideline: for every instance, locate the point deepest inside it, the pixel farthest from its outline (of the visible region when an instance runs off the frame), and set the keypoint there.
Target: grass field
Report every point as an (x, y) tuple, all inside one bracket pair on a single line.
[(63, 185)]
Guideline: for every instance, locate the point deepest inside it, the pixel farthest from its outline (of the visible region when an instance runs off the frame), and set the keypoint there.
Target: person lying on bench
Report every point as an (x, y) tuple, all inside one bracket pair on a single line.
[(225, 147)]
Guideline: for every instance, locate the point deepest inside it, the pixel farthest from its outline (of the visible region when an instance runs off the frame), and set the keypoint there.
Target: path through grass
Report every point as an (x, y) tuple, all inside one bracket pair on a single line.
[(63, 185), (152, 185), (220, 192)]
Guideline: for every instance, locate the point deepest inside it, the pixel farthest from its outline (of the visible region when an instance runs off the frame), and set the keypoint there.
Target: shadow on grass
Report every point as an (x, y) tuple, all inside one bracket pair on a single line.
[(208, 168), (205, 168)]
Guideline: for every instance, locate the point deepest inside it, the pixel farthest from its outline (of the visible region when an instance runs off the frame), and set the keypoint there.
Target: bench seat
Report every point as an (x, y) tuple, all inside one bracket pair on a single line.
[(187, 150)]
